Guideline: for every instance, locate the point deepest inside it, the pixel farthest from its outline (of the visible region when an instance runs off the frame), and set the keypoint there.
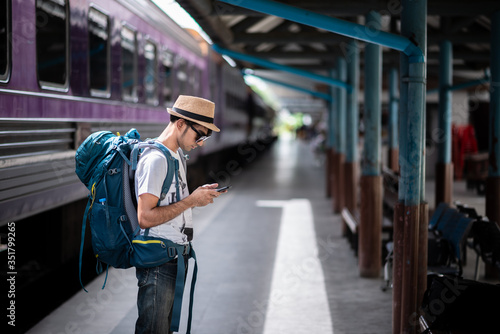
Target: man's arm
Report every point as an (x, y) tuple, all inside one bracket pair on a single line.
[(150, 215)]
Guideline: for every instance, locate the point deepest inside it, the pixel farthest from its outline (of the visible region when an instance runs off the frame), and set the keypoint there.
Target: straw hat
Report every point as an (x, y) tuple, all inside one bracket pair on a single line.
[(195, 109)]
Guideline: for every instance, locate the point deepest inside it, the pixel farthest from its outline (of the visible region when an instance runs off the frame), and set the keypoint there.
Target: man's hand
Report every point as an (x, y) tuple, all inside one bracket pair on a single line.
[(150, 215), (204, 195)]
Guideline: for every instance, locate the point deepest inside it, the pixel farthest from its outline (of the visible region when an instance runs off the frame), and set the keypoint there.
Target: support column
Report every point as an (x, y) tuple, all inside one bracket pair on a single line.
[(341, 138), (352, 124), (493, 184), (370, 235), (412, 167), (393, 163), (444, 166), (397, 266), (370, 232), (332, 137), (422, 249), (330, 144)]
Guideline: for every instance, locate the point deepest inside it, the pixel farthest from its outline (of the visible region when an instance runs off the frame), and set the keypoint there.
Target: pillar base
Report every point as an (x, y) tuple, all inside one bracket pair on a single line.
[(339, 184), (444, 183), (397, 266), (351, 186), (394, 159), (409, 288), (370, 229), (493, 214), (422, 252), (333, 178), (492, 196), (329, 172)]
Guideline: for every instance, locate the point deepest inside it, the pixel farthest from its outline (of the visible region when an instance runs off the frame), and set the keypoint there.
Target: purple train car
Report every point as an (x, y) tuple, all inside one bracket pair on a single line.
[(69, 68)]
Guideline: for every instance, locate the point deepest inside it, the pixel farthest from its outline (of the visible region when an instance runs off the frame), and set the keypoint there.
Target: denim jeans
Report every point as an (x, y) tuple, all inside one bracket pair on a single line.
[(155, 298)]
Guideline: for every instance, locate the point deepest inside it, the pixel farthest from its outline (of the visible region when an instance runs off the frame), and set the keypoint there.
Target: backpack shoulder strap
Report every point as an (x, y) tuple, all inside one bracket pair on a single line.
[(172, 168), (183, 158), (172, 171)]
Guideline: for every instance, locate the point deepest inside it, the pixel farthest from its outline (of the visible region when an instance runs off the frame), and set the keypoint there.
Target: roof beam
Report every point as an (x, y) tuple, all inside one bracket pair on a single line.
[(272, 65), (463, 55), (361, 7), (342, 27), (326, 38)]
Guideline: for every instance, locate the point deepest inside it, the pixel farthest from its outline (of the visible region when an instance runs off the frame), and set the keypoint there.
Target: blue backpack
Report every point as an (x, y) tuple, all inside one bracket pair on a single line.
[(106, 165)]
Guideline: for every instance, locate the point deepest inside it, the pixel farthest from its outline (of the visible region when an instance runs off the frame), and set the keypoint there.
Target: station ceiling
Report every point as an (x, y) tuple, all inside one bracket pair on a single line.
[(467, 24)]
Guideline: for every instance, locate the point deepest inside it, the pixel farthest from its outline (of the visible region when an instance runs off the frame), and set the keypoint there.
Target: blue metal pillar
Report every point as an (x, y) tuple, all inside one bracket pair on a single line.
[(410, 228), (372, 114), (415, 155), (352, 128), (332, 112), (445, 101), (494, 168), (393, 120), (403, 122), (341, 138), (370, 230), (341, 104), (352, 117), (332, 142), (493, 184), (444, 167)]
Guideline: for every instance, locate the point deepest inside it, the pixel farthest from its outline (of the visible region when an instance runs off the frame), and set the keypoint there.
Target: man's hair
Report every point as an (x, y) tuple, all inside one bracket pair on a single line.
[(174, 118)]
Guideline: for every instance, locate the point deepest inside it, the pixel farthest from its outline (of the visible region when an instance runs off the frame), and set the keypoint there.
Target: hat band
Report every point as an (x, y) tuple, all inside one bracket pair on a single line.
[(193, 115)]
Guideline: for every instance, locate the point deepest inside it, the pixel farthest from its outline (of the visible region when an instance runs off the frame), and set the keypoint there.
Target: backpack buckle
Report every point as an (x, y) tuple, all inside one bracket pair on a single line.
[(186, 250), (171, 252), (113, 171)]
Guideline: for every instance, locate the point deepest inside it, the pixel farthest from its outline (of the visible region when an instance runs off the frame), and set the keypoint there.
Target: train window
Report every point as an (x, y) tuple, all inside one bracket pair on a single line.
[(5, 42), (129, 64), (196, 74), (52, 44), (150, 79), (182, 75), (167, 62), (99, 59), (191, 80)]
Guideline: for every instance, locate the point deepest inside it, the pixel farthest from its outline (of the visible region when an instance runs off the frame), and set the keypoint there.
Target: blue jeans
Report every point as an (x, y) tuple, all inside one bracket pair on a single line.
[(155, 298)]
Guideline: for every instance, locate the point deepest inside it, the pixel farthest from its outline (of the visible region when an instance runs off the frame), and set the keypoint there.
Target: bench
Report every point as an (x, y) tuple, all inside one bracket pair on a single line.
[(466, 312), (485, 241), (455, 305), (352, 232), (448, 232)]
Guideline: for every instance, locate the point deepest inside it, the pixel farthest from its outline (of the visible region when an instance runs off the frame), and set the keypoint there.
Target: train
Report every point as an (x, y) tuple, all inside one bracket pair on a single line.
[(70, 68)]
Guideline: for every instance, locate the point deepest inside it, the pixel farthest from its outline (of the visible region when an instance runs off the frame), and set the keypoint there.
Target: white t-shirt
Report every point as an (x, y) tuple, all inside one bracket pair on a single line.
[(149, 177)]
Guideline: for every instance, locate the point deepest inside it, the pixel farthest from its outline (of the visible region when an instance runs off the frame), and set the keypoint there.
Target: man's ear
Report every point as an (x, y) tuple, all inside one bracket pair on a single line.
[(180, 123)]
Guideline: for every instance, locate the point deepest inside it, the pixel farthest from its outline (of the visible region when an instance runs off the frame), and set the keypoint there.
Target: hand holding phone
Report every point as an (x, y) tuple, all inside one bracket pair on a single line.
[(223, 188)]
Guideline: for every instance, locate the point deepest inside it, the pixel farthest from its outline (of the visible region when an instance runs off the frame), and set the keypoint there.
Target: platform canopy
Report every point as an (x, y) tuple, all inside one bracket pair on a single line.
[(466, 24)]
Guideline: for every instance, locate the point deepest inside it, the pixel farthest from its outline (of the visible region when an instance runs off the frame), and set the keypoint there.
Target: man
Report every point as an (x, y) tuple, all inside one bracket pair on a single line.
[(191, 123)]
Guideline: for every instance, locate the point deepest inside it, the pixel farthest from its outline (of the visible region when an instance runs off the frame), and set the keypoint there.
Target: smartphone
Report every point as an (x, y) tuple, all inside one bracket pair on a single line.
[(223, 188)]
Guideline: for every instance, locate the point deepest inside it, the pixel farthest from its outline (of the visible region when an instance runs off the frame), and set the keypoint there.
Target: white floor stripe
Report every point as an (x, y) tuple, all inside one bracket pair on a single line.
[(298, 301)]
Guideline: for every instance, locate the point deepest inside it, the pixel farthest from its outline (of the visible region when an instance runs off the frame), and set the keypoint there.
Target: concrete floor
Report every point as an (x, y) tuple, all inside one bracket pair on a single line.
[(271, 257)]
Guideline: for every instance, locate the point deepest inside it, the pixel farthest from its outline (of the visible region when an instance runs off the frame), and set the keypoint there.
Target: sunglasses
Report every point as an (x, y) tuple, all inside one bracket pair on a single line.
[(200, 137)]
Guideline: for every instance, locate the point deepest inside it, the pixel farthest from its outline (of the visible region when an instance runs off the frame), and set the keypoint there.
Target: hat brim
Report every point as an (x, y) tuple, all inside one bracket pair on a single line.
[(210, 126)]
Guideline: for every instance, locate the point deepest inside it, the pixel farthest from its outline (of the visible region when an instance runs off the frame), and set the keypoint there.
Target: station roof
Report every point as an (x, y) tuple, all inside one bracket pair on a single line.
[(466, 24)]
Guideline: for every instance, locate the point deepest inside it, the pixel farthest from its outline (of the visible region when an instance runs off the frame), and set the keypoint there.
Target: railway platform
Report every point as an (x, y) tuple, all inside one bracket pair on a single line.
[(271, 256)]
